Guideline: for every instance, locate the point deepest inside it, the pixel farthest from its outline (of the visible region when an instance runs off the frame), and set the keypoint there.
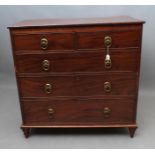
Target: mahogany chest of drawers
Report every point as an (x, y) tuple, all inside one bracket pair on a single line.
[(77, 73)]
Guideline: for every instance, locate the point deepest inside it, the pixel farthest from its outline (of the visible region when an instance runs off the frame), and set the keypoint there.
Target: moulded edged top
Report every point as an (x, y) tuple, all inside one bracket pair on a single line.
[(77, 22)]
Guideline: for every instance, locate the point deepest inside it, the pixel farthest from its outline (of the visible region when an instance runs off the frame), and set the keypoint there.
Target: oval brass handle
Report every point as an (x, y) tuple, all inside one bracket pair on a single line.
[(44, 43), (45, 65), (50, 113), (107, 62), (48, 88), (107, 87), (107, 112), (107, 41)]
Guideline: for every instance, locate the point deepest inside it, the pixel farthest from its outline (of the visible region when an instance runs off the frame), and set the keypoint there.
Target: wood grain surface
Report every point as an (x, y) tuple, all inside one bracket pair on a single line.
[(76, 52)]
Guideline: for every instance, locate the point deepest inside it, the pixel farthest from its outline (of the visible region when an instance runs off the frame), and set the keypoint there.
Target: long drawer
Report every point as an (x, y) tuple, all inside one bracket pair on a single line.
[(76, 112), (90, 61), (78, 85)]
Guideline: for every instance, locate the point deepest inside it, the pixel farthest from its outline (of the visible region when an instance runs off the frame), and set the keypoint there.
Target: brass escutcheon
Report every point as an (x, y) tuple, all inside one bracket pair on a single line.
[(48, 88), (107, 112), (107, 87), (50, 113), (107, 63), (107, 41), (44, 43), (45, 65)]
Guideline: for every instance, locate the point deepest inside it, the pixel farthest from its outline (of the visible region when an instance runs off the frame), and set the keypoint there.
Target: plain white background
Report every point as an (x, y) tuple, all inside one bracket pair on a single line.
[(12, 137)]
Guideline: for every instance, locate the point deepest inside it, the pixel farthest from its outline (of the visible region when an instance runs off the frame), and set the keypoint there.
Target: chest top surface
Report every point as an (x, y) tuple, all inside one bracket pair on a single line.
[(77, 22)]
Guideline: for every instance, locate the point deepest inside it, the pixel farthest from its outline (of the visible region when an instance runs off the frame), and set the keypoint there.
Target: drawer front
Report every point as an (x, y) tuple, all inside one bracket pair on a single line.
[(107, 84), (92, 61), (51, 41), (120, 39), (80, 85), (47, 86), (76, 112), (82, 40)]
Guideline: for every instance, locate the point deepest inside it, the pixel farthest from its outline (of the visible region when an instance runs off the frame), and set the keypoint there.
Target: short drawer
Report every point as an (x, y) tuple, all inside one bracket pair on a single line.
[(47, 86), (120, 39), (79, 112), (48, 41), (108, 84), (91, 61), (79, 85)]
